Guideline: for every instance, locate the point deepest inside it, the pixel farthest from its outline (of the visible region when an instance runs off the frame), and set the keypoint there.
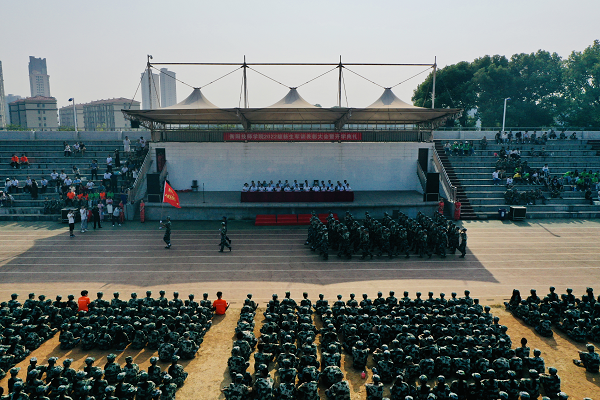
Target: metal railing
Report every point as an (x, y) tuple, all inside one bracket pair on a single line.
[(138, 191), (556, 129), (422, 176), (449, 189)]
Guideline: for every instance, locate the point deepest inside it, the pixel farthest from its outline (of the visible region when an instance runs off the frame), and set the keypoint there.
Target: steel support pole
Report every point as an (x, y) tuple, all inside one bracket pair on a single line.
[(75, 114), (245, 79), (434, 75), (504, 115), (149, 82), (340, 66)]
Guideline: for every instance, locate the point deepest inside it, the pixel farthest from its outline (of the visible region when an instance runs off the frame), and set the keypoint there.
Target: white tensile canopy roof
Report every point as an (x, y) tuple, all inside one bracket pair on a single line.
[(292, 100), (195, 100), (389, 100)]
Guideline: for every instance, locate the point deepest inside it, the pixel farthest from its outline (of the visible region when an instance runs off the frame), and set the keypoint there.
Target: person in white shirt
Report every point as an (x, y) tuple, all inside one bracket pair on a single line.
[(71, 219), (109, 161), (245, 188), (316, 187), (496, 177), (142, 143), (134, 173), (90, 186), (253, 188), (83, 213), (54, 178), (306, 187), (62, 175), (278, 187), (15, 185), (297, 188), (287, 189), (348, 188), (44, 185), (546, 170), (115, 216), (261, 188), (509, 182), (68, 181), (106, 180), (269, 188), (27, 187), (126, 144)]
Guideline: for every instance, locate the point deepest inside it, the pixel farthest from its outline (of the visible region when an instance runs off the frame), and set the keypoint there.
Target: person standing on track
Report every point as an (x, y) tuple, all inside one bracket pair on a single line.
[(463, 243), (71, 218), (224, 237), (167, 237), (225, 222)]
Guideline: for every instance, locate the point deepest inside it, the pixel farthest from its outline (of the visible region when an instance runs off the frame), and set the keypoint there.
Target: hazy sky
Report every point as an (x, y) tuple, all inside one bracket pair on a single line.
[(97, 50)]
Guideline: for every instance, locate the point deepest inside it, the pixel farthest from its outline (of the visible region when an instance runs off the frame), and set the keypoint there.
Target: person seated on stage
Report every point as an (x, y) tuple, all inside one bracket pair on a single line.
[(316, 187), (253, 188), (347, 188), (269, 188), (24, 161), (339, 187), (262, 188), (14, 161), (278, 187), (280, 184), (245, 188), (286, 184), (287, 188), (297, 188), (306, 187), (295, 183)]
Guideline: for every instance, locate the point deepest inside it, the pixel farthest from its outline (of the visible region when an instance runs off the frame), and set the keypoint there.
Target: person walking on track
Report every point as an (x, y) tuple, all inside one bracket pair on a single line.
[(167, 237)]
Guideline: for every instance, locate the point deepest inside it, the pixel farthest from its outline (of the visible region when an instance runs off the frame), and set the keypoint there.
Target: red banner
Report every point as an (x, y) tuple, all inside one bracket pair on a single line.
[(170, 196), (292, 136)]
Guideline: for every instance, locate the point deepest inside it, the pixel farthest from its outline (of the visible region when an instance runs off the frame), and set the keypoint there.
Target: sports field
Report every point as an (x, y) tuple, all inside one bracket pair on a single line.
[(41, 258)]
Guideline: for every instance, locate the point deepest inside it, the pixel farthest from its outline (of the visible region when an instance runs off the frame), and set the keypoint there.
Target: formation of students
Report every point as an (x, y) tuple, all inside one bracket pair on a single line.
[(423, 236), (297, 187)]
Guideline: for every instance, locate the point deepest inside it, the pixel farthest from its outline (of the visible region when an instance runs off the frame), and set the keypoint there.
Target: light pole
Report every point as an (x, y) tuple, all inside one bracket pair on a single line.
[(74, 112), (504, 116)]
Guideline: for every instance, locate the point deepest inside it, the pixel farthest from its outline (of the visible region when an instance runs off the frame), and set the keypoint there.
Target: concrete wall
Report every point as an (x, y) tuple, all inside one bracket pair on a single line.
[(227, 166), (476, 135), (73, 136)]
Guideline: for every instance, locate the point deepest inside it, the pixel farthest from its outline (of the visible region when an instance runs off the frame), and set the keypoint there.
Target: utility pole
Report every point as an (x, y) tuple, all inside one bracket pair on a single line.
[(340, 66), (245, 66), (434, 74), (149, 82)]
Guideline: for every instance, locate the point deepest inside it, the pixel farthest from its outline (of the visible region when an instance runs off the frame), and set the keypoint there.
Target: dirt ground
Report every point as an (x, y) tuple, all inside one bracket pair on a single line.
[(208, 371)]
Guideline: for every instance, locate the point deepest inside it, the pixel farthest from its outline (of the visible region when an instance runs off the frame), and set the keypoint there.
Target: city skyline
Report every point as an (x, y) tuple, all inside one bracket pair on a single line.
[(95, 66)]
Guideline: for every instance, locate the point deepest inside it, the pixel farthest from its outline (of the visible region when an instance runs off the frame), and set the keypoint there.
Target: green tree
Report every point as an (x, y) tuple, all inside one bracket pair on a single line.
[(582, 88)]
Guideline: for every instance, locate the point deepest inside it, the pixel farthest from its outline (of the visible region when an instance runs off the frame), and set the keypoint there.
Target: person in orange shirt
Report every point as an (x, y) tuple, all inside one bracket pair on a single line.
[(14, 161), (84, 301), (220, 305), (70, 197), (24, 161)]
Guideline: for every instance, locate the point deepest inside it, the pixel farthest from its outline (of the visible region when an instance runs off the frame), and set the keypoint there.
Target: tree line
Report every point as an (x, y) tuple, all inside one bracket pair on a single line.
[(544, 90)]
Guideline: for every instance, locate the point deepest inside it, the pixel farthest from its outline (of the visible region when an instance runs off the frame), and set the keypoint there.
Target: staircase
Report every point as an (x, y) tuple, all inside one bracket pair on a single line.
[(467, 212), (475, 176)]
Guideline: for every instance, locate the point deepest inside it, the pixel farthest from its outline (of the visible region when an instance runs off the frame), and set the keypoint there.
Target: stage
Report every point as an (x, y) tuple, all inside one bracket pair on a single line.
[(214, 205)]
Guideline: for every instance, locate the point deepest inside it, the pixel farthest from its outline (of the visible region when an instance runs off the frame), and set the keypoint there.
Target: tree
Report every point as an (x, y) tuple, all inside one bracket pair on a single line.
[(582, 88)]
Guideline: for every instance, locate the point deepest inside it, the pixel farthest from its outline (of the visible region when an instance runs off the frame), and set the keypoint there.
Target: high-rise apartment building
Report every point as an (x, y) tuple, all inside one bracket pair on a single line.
[(168, 89), (9, 99), (66, 117), (107, 115), (150, 91), (3, 117), (39, 80), (35, 113)]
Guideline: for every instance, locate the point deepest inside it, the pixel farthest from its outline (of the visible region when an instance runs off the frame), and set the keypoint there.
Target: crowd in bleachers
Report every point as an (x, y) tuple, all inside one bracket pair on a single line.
[(173, 327), (297, 187)]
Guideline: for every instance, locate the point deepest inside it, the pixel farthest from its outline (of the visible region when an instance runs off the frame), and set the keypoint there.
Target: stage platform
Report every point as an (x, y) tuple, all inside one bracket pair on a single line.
[(214, 205)]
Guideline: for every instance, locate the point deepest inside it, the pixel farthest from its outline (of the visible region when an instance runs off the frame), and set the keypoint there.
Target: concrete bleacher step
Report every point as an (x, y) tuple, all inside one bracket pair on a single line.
[(29, 217)]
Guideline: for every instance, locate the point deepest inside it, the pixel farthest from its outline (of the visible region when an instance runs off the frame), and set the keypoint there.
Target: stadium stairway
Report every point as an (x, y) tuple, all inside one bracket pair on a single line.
[(44, 157), (472, 175), (467, 212)]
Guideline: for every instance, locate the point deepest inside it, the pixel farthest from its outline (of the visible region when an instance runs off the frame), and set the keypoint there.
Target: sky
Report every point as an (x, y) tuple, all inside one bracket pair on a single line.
[(97, 50)]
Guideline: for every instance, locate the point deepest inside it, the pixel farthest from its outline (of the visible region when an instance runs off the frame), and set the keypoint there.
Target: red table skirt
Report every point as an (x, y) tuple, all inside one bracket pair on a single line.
[(297, 197)]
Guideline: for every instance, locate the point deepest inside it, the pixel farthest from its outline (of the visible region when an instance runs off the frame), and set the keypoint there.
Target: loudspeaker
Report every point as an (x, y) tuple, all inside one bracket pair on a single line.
[(430, 197), (135, 124), (153, 183), (154, 198), (424, 158), (433, 183), (518, 213)]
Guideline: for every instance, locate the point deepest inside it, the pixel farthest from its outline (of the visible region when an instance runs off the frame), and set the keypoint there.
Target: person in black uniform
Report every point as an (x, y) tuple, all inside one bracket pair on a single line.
[(167, 237), (463, 242), (224, 238)]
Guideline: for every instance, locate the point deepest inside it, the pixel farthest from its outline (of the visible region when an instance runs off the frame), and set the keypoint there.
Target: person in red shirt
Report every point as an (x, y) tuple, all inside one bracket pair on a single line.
[(220, 305), (14, 161), (24, 161), (84, 301)]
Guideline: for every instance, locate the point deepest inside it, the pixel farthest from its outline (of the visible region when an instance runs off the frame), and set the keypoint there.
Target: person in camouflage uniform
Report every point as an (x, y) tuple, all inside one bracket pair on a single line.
[(590, 360), (177, 372), (340, 390), (236, 390), (131, 370), (111, 369), (145, 387), (551, 383), (187, 348), (124, 390), (168, 388), (375, 389)]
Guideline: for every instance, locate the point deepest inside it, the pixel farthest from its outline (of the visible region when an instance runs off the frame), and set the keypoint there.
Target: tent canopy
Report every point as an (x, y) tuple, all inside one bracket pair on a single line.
[(389, 100), (195, 100), (292, 100)]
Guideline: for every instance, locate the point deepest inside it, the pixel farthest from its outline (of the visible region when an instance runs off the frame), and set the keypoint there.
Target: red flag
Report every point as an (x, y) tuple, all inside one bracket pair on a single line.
[(170, 196)]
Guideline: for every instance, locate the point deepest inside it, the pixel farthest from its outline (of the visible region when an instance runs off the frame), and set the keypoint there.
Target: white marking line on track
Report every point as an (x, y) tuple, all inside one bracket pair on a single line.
[(227, 254), (321, 263)]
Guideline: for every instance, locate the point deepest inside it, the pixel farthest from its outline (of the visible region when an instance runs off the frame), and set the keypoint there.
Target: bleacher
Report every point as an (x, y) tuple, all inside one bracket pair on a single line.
[(44, 157), (473, 176)]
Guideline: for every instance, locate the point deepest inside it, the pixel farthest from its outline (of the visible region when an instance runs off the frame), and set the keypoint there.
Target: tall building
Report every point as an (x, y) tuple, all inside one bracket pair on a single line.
[(155, 85), (39, 80), (66, 117), (9, 99), (168, 89), (35, 113), (3, 118), (106, 115)]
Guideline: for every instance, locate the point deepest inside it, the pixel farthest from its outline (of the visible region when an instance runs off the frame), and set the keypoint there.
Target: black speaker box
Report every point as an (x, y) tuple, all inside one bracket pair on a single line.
[(153, 183), (154, 198)]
